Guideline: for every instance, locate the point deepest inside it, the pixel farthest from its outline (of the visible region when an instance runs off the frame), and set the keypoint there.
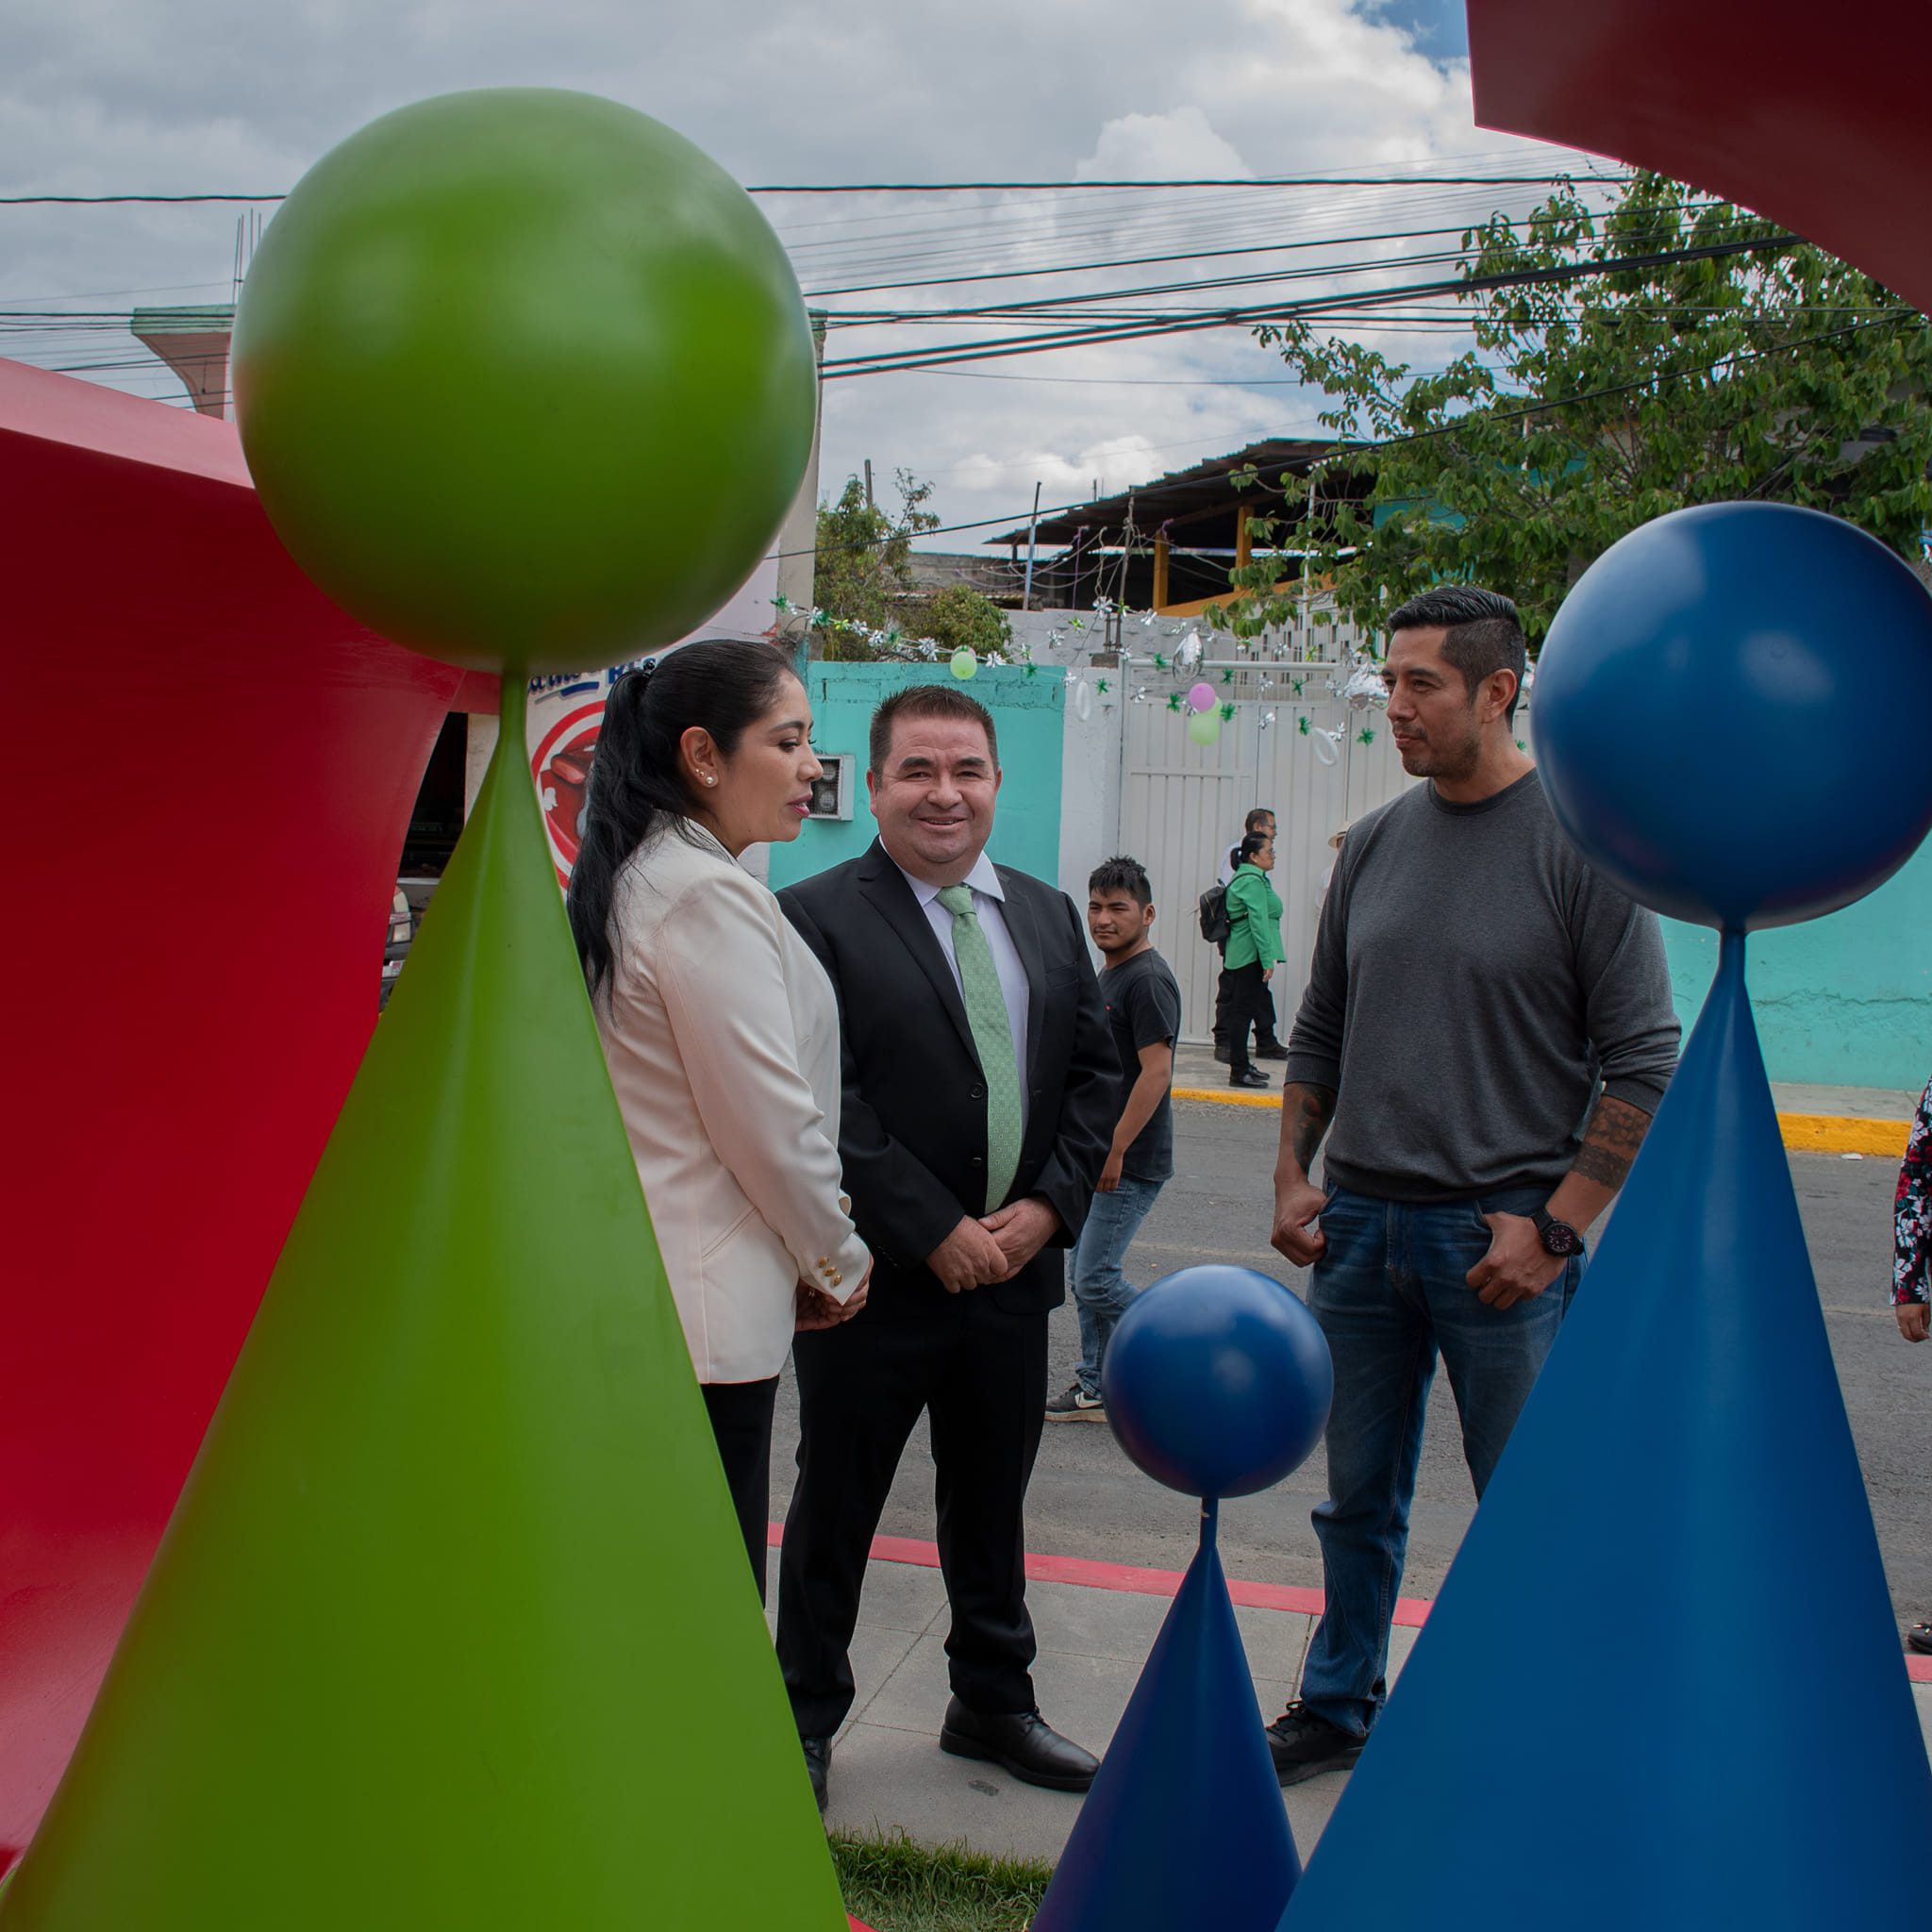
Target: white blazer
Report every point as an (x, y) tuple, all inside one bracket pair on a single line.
[(722, 1033)]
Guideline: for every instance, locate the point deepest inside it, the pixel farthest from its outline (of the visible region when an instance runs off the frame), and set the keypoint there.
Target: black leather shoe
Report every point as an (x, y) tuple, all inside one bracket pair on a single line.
[(1247, 1076), (1920, 1638), (1275, 1051), (818, 1762), (1304, 1745), (1022, 1742), (1223, 1055)]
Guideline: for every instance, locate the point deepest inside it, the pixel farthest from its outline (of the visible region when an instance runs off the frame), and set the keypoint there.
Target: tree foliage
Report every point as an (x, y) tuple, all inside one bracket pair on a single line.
[(863, 576), (960, 615), (863, 561), (1590, 406)]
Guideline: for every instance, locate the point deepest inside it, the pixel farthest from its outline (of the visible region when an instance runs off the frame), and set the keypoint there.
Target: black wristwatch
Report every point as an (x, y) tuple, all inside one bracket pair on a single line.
[(1558, 1236)]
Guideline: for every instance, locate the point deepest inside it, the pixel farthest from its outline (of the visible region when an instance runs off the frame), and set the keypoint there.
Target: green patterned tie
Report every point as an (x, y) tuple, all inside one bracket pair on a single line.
[(986, 1013)]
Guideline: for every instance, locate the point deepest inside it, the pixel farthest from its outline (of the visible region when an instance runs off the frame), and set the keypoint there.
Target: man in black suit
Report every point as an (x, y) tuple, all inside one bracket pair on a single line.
[(980, 1078)]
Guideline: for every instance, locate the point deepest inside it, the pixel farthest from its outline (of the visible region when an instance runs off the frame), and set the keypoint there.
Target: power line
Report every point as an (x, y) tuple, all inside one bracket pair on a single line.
[(1075, 268), (883, 361), (1411, 180), (1073, 305), (1078, 307), (1155, 221), (107, 200)]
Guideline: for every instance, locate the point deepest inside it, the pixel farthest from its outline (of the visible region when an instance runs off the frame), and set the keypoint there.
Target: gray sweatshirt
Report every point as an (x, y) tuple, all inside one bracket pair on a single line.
[(1473, 985)]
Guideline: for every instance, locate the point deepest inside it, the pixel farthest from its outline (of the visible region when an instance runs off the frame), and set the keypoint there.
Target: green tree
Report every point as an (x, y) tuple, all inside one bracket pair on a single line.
[(861, 573), (961, 615), (863, 576), (1591, 405)]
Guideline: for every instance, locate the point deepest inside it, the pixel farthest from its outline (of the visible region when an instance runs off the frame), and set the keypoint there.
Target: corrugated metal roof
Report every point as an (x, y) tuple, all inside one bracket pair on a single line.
[(1200, 490)]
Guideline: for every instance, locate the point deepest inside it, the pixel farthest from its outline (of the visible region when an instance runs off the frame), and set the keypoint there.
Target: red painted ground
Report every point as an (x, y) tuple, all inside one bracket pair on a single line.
[(1410, 1612)]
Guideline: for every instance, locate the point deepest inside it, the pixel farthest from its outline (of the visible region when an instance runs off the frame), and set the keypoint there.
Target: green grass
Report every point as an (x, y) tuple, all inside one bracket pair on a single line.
[(894, 1885)]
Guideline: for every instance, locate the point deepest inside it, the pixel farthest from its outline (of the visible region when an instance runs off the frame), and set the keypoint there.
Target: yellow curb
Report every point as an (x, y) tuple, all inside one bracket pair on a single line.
[(1233, 1099), (1838, 1133), (1806, 1133)]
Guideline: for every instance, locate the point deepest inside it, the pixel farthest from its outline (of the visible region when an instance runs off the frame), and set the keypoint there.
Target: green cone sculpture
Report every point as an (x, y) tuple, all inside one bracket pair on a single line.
[(452, 1626)]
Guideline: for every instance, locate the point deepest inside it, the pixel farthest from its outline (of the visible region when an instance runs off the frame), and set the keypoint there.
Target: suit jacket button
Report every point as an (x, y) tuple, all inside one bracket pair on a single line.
[(975, 1161), (976, 1094)]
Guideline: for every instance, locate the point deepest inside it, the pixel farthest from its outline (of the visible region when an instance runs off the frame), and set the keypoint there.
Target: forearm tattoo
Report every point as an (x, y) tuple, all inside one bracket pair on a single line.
[(1305, 1112), (1610, 1141)]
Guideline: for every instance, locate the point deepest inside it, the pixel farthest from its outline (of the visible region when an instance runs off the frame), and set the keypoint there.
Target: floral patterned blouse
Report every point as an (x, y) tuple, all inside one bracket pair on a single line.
[(1912, 1216)]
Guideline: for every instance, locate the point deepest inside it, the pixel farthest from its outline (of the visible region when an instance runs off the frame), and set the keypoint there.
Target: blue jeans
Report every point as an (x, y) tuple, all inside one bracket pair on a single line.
[(1101, 1292), (1389, 1293)]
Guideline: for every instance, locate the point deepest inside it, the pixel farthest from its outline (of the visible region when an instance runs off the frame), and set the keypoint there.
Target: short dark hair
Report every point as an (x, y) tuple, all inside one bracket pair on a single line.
[(1253, 822), (1121, 874), (927, 701), (1485, 635), (1251, 843)]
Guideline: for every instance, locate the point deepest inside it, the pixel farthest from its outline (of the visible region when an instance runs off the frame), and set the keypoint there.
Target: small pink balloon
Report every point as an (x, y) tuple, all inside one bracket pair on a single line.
[(1201, 697)]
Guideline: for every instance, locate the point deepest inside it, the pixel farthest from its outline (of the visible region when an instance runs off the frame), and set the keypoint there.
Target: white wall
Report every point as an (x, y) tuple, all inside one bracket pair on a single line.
[(1090, 782), (1182, 806)]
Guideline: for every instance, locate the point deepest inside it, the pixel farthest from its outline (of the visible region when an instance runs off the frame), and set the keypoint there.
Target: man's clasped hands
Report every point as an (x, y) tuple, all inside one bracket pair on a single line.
[(995, 1247)]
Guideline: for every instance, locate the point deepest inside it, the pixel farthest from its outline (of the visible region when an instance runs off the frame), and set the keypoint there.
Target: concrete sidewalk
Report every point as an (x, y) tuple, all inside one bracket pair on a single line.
[(1868, 1120), (888, 1773)]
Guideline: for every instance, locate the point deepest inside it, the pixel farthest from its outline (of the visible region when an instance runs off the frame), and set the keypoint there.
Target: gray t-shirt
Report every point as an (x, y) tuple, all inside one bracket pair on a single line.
[(1475, 983)]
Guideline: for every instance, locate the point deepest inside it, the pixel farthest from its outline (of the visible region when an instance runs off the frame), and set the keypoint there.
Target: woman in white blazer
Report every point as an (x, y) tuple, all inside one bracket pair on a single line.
[(720, 1028)]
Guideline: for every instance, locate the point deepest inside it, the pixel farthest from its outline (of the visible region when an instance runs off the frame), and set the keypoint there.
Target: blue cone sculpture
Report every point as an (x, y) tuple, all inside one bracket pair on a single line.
[(1185, 1825), (1217, 1383), (1595, 1729)]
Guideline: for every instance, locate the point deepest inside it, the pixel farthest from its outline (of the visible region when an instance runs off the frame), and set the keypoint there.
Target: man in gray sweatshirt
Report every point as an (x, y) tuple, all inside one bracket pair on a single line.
[(1486, 1034)]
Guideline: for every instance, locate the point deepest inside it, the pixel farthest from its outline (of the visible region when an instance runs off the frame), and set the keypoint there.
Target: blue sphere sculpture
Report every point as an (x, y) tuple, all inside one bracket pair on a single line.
[(1730, 714), (1217, 1381)]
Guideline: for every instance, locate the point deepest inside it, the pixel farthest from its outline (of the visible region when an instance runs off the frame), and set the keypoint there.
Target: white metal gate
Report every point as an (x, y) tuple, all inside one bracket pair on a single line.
[(1182, 807)]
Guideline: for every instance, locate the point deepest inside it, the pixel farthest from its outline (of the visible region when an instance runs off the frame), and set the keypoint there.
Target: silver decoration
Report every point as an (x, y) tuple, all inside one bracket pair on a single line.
[(1363, 686)]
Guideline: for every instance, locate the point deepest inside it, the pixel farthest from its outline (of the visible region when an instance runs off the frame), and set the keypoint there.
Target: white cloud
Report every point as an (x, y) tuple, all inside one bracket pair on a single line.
[(210, 95), (1156, 147)]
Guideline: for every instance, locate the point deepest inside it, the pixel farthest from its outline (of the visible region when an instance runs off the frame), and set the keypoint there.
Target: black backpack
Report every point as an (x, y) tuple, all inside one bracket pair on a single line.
[(1215, 924)]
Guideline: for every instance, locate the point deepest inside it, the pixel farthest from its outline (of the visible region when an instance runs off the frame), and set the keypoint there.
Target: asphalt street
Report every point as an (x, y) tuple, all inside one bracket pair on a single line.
[(1088, 1500)]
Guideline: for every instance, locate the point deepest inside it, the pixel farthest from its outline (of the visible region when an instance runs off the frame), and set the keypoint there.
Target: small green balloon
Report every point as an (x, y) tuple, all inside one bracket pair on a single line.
[(525, 380), (1204, 727), (964, 663)]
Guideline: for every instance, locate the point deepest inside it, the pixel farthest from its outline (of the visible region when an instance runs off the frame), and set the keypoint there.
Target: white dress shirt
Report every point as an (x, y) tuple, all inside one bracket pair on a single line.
[(989, 896)]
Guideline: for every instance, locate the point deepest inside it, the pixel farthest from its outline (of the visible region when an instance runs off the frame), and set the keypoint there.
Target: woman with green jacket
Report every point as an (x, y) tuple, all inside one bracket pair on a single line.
[(1254, 951)]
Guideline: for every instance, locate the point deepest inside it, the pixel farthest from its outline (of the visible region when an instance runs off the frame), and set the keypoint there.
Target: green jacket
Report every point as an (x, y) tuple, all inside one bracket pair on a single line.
[(1254, 913)]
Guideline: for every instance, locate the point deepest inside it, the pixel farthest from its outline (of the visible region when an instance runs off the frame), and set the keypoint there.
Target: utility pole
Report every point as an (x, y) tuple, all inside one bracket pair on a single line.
[(868, 482), (1032, 543)]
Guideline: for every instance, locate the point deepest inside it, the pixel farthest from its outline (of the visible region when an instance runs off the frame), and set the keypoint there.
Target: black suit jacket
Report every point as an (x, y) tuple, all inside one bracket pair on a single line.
[(912, 1135)]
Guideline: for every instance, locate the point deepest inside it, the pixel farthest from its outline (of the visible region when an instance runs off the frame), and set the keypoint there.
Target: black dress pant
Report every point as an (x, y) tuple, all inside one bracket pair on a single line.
[(980, 1373), (1241, 1001), (740, 1416), (1267, 1020)]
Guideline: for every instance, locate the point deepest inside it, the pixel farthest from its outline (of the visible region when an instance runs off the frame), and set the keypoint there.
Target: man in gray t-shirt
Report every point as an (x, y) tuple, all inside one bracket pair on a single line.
[(1486, 1034)]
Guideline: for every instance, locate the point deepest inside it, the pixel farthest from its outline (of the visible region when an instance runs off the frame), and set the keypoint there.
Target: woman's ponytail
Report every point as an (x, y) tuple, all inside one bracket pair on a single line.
[(637, 776)]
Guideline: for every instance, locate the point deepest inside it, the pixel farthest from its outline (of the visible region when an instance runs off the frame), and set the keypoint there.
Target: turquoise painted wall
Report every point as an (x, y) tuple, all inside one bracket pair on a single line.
[(1027, 715), (1845, 1001)]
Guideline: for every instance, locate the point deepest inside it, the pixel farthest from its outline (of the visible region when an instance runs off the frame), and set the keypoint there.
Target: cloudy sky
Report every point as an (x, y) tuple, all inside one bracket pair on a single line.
[(233, 96)]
